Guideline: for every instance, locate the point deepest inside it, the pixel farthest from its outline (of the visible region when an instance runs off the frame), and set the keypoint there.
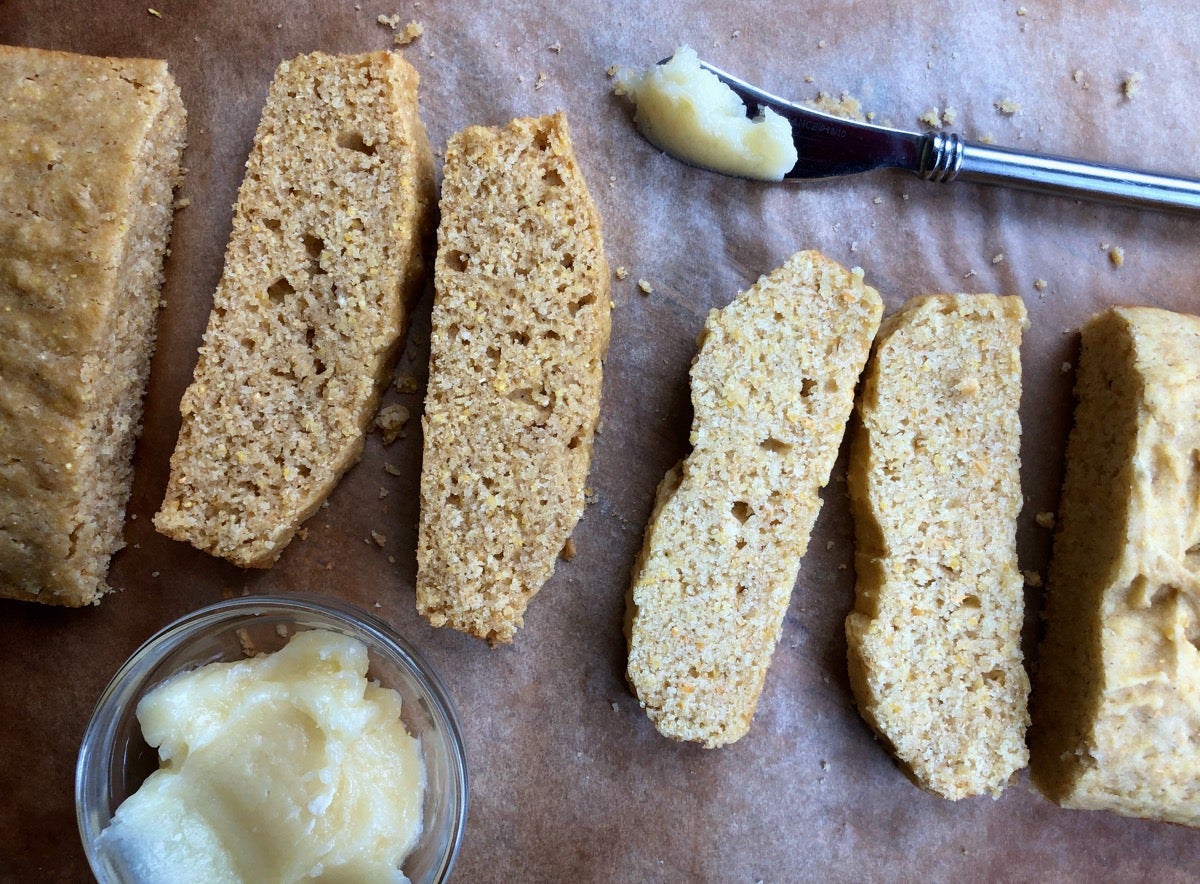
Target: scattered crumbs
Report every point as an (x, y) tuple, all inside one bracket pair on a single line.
[(878, 200), (611, 71), (383, 492), (568, 551), (392, 21), (406, 383), (847, 106), (621, 272), (1065, 368), (154, 12), (1040, 284), (540, 81), (391, 469), (1077, 76), (1032, 578), (302, 533), (390, 422), (555, 47), (589, 496), (821, 44), (1116, 256), (949, 115), (181, 203), (987, 139), (1007, 106), (1130, 84), (1045, 520), (249, 648), (281, 630), (1021, 10), (998, 258), (379, 539), (968, 274), (931, 118), (411, 32), (645, 286), (829, 544)]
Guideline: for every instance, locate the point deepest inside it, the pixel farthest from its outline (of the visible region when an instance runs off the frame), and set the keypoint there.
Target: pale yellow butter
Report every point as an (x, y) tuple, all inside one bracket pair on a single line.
[(281, 767), (688, 112)]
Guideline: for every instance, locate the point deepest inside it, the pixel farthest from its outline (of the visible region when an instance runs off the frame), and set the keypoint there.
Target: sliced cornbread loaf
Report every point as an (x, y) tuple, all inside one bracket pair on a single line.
[(520, 325), (1116, 711), (934, 641), (772, 387), (90, 150), (322, 266)]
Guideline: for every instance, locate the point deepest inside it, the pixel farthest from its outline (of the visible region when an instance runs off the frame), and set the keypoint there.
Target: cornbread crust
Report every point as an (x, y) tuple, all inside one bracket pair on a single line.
[(91, 150), (323, 264), (520, 326), (934, 641), (772, 387), (1116, 721)]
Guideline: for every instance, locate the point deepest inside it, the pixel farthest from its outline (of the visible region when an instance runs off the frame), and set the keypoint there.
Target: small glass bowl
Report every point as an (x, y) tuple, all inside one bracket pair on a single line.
[(114, 759)]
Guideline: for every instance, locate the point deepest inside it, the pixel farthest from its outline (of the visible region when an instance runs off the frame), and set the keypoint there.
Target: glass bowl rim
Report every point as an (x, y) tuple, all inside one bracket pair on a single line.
[(126, 683)]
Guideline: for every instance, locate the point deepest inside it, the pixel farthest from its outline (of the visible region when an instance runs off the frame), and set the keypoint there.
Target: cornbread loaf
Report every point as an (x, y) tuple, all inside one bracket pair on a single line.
[(322, 266), (90, 150), (934, 641), (1116, 711), (772, 387), (520, 325)]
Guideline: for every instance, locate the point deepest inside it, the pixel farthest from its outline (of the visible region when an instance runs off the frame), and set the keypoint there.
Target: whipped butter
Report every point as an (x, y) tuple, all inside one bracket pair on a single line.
[(688, 112), (276, 768)]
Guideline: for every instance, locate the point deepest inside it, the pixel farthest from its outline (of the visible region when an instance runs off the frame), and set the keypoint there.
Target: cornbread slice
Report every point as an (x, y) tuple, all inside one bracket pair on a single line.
[(1116, 713), (934, 641), (90, 150), (322, 267), (772, 387), (520, 325)]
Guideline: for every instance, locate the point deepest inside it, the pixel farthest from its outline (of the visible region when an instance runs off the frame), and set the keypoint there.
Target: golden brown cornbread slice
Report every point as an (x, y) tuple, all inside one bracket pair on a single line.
[(1116, 721), (934, 641), (520, 325), (322, 266), (90, 151), (772, 387)]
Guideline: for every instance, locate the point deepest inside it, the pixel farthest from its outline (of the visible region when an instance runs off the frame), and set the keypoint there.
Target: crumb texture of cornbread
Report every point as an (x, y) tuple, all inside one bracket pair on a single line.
[(322, 267), (772, 388), (90, 150), (1116, 705), (520, 325), (934, 641)]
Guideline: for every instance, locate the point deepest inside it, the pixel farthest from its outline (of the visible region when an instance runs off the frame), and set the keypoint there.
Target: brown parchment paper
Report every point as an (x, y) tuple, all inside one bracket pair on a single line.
[(569, 781)]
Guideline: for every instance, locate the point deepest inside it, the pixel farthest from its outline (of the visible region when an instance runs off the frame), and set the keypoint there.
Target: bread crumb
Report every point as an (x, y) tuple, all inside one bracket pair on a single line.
[(949, 115), (829, 544), (1032, 578), (1040, 284), (877, 200), (411, 32), (821, 44), (1130, 84), (987, 138), (931, 118), (555, 47), (391, 469), (1077, 76), (392, 21), (249, 648), (998, 258), (406, 383), (568, 550), (645, 286), (621, 272), (1045, 520), (589, 496), (379, 539), (181, 203), (1021, 10), (1007, 106), (281, 630), (155, 13), (540, 81), (383, 492), (1116, 256), (611, 71), (1065, 368), (302, 533), (390, 422)]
